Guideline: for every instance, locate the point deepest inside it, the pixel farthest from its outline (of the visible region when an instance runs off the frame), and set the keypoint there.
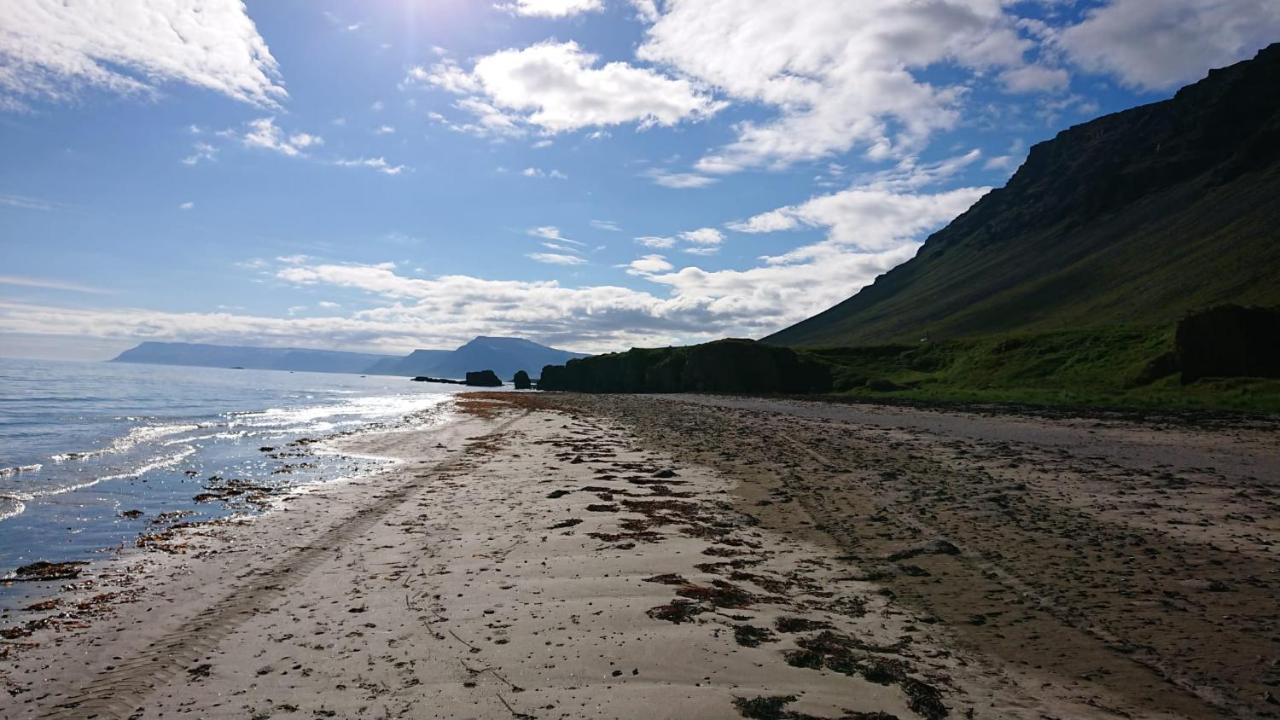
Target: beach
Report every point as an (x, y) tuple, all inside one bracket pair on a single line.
[(568, 556)]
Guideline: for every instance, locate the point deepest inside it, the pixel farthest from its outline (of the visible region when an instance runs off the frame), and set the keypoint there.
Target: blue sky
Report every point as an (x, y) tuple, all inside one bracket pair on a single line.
[(594, 174)]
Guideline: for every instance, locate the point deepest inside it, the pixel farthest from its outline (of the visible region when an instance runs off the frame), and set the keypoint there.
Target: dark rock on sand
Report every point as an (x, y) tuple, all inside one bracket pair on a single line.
[(483, 378), (522, 381), (1229, 341)]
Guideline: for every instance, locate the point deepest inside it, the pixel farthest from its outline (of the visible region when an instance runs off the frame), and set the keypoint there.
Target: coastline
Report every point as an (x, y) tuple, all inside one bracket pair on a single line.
[(541, 556)]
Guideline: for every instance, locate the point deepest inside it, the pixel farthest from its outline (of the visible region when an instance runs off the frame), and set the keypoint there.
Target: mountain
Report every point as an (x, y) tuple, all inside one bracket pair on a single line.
[(1134, 218), (504, 356), (256, 358), (418, 362)]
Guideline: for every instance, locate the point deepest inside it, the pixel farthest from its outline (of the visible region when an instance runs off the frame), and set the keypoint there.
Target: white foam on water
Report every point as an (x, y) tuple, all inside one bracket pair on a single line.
[(18, 507), (135, 437), (11, 471)]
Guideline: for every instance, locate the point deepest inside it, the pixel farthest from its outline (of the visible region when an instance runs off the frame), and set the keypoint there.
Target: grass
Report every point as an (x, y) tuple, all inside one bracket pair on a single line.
[(1095, 367)]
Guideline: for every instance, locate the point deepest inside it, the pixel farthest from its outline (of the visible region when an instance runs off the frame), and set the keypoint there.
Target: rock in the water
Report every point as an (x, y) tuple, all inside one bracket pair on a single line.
[(521, 380), (483, 378), (44, 571)]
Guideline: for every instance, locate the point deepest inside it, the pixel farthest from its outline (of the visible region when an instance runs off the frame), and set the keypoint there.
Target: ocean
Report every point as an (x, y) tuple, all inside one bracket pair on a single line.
[(94, 456)]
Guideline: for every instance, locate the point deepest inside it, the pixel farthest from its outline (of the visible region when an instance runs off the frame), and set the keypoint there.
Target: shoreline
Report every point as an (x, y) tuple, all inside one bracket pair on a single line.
[(546, 556)]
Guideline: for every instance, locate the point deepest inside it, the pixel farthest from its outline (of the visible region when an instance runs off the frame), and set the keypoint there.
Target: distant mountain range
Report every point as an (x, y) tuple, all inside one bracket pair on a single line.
[(1134, 218), (504, 356)]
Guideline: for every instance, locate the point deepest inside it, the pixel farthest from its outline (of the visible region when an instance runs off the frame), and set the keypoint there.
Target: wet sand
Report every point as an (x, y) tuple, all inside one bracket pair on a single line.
[(560, 556), (1130, 566)]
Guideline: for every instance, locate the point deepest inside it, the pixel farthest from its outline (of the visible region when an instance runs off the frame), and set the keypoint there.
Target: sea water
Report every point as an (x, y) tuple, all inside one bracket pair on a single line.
[(94, 455)]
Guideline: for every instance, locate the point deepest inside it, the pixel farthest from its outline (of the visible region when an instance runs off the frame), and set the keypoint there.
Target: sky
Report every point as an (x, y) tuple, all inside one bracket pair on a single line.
[(591, 174)]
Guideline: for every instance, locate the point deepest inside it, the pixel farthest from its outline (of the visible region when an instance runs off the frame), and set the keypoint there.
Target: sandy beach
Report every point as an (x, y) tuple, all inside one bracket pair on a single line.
[(561, 556)]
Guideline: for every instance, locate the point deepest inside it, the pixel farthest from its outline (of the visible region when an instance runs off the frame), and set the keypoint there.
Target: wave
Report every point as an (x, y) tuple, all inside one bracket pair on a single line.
[(158, 463), (17, 507), (135, 437), (20, 469)]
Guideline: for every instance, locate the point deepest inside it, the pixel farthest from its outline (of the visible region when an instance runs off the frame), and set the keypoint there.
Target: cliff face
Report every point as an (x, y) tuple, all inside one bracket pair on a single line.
[(1138, 216)]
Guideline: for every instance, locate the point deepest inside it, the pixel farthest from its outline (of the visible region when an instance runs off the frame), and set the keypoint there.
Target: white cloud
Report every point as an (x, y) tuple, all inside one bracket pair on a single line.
[(1159, 45), (186, 205), (375, 163), (679, 180), (533, 172), (200, 152), (871, 218), (559, 87), (703, 236), (649, 265), (656, 241), (24, 203), (49, 284), (694, 305), (264, 133), (384, 130), (839, 74), (701, 250), (607, 225), (552, 8), (50, 49), (646, 9), (551, 232), (1034, 78), (552, 258)]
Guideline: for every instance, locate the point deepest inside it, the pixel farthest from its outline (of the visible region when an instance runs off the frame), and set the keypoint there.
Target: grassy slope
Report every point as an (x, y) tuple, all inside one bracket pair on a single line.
[(1136, 217), (1099, 367)]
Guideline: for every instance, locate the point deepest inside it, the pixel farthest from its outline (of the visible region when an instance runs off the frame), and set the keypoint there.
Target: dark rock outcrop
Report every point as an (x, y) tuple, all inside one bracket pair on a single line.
[(522, 381), (483, 378), (724, 366), (1229, 341)]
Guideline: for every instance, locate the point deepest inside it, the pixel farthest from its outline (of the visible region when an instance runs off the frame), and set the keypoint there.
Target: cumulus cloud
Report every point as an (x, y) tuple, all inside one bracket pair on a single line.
[(656, 241), (839, 74), (1034, 78), (870, 229), (869, 219), (1159, 45), (50, 49), (648, 265), (559, 87), (534, 172), (264, 133), (552, 8), (703, 236)]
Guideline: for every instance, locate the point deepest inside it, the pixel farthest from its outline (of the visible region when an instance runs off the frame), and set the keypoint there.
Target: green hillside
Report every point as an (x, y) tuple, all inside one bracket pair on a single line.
[(1132, 219)]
